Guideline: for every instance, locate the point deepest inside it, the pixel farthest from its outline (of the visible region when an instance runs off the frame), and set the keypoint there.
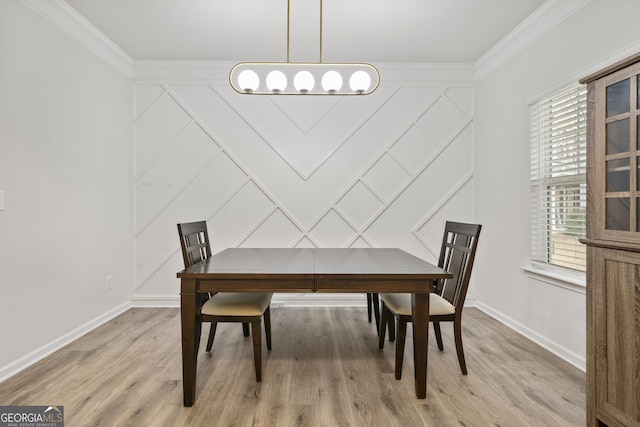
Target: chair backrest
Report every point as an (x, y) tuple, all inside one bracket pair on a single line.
[(457, 254), (194, 241)]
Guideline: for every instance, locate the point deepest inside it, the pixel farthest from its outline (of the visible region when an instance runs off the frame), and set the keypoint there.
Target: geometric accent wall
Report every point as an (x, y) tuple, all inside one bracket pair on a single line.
[(383, 170)]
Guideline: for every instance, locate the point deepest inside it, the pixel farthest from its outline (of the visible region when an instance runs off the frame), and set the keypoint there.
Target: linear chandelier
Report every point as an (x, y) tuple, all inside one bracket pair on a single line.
[(304, 78)]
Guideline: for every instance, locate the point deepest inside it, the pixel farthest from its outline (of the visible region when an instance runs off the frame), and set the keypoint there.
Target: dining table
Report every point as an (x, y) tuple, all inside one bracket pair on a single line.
[(334, 270)]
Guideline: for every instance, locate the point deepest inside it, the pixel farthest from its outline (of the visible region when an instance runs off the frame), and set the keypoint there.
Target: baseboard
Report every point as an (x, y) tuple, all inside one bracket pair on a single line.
[(155, 301), (555, 348), (55, 345)]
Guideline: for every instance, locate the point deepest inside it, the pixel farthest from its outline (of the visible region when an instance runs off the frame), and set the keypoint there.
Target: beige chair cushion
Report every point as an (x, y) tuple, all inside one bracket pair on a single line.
[(401, 304), (237, 304)]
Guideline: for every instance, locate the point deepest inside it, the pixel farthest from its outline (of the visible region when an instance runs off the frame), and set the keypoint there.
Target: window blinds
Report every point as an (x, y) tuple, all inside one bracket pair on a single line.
[(558, 178)]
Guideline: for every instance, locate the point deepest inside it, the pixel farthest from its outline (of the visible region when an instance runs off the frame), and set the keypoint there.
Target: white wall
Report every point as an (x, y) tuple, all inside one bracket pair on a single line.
[(598, 33), (65, 167), (383, 170)]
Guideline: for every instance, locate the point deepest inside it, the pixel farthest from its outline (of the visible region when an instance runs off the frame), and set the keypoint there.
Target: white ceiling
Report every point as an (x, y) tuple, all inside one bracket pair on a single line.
[(427, 31)]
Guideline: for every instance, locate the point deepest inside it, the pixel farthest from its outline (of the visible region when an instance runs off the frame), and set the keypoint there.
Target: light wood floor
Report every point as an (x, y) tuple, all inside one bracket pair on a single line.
[(325, 370)]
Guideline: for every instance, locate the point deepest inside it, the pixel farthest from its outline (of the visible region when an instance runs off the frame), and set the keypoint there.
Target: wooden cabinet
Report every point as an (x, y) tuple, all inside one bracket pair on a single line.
[(613, 245)]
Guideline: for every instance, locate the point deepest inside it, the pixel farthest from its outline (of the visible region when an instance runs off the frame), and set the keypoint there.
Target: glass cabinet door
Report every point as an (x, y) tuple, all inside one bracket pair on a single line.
[(622, 153)]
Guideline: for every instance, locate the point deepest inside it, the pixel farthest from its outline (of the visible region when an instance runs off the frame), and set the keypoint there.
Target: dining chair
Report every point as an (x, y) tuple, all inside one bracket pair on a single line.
[(457, 254), (243, 307)]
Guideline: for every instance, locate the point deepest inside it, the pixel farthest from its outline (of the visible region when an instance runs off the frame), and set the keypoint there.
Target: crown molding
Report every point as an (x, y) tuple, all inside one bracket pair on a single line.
[(63, 16), (543, 20), (540, 22)]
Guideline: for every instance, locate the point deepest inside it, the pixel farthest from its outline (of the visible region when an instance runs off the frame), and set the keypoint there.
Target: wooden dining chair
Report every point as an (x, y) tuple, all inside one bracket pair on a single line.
[(243, 307), (457, 254)]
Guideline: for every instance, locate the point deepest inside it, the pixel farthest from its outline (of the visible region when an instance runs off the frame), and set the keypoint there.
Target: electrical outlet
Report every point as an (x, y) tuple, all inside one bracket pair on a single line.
[(109, 283)]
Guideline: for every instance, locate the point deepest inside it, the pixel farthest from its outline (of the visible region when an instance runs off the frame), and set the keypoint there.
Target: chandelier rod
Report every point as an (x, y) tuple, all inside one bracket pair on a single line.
[(288, 27), (321, 31), (289, 31)]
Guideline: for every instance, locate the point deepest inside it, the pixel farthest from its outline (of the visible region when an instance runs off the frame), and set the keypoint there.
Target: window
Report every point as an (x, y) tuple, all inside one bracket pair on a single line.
[(558, 178)]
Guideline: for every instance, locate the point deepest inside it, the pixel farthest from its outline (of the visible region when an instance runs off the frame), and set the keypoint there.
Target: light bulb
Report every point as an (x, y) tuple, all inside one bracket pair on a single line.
[(331, 81), (304, 82), (248, 81), (360, 81), (276, 81)]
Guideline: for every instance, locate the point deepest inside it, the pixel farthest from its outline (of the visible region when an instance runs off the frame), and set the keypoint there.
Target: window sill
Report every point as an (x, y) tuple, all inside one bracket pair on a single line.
[(572, 281)]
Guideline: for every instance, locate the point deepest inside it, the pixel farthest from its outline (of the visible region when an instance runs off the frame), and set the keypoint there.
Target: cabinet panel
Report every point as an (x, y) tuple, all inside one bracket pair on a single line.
[(615, 306)]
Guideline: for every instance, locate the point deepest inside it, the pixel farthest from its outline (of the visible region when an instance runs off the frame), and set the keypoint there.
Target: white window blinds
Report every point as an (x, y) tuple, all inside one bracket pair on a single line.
[(558, 178)]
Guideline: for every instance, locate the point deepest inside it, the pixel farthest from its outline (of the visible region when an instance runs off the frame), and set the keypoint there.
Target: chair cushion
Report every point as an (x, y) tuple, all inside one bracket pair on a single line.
[(236, 304), (401, 304)]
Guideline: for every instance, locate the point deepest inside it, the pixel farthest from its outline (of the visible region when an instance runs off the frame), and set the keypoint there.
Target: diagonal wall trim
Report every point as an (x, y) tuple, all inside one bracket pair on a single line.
[(237, 162), (142, 282), (415, 177), (304, 129), (262, 188), (145, 168), (265, 218), (256, 226), (333, 206), (360, 231), (426, 132), (339, 211), (437, 209), (179, 191), (153, 104), (414, 122), (369, 167), (333, 215), (285, 158), (166, 95), (360, 237)]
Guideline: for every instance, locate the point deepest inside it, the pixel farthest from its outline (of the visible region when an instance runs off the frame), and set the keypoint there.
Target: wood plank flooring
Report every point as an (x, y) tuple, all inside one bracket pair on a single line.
[(324, 370)]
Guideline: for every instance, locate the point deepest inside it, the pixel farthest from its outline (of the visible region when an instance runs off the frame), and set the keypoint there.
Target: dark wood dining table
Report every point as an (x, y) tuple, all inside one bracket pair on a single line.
[(339, 270)]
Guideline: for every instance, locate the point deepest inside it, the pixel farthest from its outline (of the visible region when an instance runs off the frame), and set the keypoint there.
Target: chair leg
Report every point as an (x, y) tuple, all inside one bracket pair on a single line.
[(245, 329), (376, 310), (400, 339), (267, 326), (436, 329), (382, 329), (257, 348), (391, 321), (369, 302), (457, 331), (212, 335)]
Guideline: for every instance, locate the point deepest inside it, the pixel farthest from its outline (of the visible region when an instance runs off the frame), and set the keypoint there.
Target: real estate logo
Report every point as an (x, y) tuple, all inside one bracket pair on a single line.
[(31, 416)]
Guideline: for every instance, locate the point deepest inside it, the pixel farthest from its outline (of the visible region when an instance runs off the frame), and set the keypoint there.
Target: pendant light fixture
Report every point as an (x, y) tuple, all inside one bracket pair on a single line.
[(304, 78)]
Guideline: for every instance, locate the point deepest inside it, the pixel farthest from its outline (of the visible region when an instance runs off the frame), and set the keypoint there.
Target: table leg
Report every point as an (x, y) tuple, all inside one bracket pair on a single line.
[(420, 314), (191, 329)]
